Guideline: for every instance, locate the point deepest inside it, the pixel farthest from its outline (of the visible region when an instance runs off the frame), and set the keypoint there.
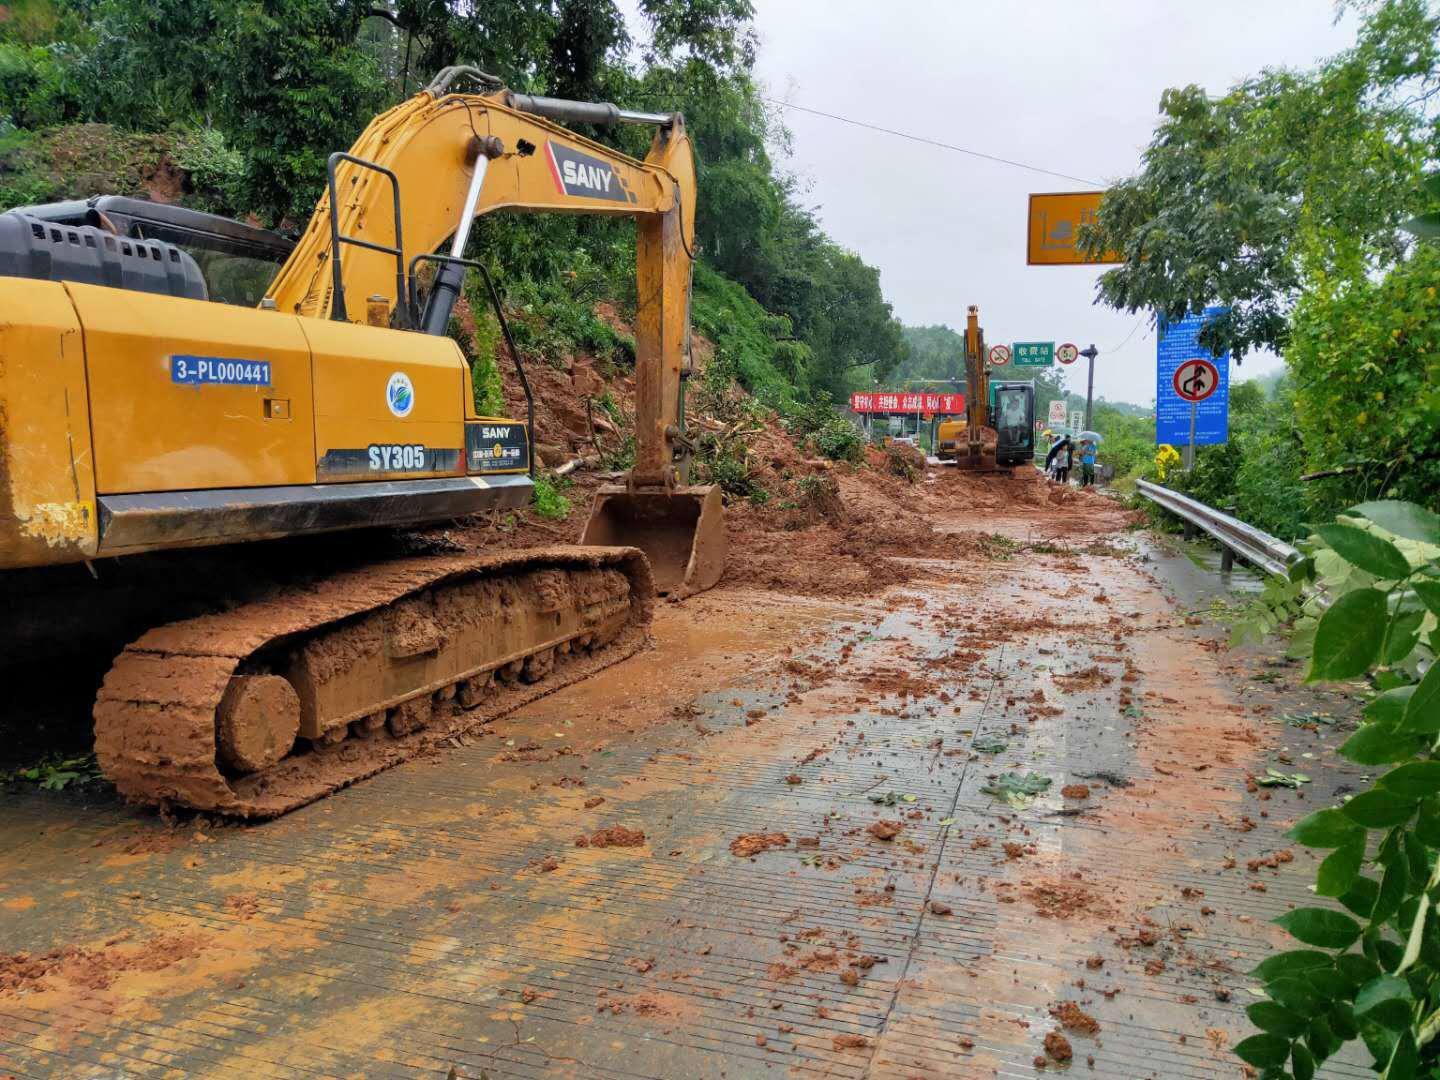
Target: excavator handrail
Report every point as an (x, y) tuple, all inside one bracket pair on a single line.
[(499, 308), (337, 302)]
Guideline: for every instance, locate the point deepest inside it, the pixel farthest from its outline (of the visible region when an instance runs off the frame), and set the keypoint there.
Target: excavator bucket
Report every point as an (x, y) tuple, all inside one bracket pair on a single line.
[(681, 532)]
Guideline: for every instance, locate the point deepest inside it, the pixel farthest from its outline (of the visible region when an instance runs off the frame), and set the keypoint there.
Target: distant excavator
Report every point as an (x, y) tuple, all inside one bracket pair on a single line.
[(145, 407), (1006, 408)]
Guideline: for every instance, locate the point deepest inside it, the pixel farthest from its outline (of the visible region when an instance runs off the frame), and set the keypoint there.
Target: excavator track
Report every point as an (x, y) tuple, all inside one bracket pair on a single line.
[(262, 709)]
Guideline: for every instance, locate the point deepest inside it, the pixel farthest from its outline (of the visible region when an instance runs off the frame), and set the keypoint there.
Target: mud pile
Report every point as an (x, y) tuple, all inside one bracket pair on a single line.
[(814, 527)]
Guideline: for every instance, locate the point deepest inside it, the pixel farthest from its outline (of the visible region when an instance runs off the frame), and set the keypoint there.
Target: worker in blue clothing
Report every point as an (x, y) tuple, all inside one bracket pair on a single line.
[(1087, 464)]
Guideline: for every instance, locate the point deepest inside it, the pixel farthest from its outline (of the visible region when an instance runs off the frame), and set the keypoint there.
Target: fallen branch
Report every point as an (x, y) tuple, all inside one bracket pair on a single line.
[(571, 466)]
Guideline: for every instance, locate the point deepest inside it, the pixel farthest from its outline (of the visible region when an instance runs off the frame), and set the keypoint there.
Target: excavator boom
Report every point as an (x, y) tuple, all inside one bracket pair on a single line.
[(420, 173)]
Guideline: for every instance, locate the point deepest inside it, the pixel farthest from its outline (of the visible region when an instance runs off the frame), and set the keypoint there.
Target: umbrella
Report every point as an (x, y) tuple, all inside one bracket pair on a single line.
[(1090, 436)]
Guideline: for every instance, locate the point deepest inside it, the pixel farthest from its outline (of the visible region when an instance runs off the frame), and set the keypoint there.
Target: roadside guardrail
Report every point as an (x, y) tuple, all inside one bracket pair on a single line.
[(1260, 549)]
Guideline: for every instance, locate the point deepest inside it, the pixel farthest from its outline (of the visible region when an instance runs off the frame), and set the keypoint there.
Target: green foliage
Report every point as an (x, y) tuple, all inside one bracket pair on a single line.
[(554, 317), (1287, 200), (1377, 567), (216, 171), (829, 433), (56, 773), (745, 346), (548, 498), (1238, 193), (728, 466), (36, 90), (481, 349), (1370, 351), (77, 160)]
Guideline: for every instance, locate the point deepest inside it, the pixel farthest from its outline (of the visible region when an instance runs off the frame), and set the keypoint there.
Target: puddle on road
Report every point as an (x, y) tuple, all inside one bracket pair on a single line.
[(1242, 579), (700, 644)]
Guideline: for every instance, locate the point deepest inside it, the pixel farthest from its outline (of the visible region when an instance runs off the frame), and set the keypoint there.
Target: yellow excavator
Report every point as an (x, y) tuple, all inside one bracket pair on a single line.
[(1006, 408), (150, 401)]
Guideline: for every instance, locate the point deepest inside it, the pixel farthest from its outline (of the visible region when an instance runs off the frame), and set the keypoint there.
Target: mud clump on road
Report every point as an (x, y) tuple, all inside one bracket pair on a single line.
[(614, 836), (749, 844), (1058, 1047), (885, 830), (1065, 899), (93, 969), (1073, 1018)]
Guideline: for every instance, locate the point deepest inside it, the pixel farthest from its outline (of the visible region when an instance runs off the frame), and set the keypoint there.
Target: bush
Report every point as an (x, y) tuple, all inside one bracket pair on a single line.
[(728, 466), (35, 89), (830, 434), (216, 171), (548, 499), (1364, 353)]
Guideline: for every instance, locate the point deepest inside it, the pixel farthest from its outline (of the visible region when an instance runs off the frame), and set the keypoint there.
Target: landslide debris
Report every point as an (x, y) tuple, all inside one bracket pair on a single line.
[(750, 844)]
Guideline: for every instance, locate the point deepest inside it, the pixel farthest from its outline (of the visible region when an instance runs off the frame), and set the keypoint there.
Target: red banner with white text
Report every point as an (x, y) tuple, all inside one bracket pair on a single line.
[(888, 401)]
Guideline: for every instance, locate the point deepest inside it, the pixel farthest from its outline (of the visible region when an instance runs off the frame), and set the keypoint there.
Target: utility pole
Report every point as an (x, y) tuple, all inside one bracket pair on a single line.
[(1089, 354)]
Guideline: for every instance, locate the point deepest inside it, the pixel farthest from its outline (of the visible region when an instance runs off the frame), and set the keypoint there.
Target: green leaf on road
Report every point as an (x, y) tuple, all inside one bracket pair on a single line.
[(1015, 789), (1349, 636), (1276, 778)]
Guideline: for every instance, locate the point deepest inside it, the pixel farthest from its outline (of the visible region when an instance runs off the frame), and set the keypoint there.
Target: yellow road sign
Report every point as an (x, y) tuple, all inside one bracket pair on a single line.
[(1055, 220)]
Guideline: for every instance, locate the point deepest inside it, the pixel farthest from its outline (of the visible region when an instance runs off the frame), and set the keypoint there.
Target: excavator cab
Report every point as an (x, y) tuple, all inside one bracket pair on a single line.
[(1013, 418), (235, 261)]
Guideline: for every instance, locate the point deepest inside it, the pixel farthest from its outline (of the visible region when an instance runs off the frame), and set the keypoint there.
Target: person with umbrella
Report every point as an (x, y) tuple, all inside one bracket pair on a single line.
[(1059, 459), (1089, 441)]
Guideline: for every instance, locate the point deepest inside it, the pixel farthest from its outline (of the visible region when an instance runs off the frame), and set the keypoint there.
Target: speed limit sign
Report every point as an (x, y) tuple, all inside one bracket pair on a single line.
[(1067, 353), (1000, 355)]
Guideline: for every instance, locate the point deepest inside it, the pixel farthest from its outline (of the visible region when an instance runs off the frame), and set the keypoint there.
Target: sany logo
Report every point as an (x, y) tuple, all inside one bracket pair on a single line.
[(400, 394), (577, 173)]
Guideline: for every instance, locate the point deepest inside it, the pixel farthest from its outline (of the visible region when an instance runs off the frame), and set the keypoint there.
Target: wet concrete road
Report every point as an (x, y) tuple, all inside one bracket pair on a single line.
[(900, 921)]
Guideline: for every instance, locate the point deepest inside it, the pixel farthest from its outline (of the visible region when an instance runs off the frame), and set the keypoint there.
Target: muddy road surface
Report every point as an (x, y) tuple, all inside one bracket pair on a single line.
[(991, 817)]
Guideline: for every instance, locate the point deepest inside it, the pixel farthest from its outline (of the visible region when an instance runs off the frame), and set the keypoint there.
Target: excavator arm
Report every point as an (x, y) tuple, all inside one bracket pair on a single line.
[(421, 173)]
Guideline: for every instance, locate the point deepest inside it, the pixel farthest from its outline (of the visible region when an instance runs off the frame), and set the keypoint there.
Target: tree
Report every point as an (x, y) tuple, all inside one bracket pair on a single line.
[(1239, 197)]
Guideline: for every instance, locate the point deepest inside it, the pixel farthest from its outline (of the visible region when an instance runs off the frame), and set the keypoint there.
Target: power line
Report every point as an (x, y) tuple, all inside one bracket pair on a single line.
[(933, 142), (1128, 336)]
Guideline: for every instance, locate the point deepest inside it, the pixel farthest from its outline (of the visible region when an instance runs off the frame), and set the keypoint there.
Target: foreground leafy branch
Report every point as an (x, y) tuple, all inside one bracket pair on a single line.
[(1368, 972)]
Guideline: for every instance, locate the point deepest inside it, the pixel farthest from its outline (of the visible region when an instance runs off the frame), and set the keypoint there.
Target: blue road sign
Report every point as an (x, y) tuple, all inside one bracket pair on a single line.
[(1176, 346)]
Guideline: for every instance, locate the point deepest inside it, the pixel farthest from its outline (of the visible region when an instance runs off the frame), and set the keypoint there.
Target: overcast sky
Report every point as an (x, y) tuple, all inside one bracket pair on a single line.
[(1067, 86)]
